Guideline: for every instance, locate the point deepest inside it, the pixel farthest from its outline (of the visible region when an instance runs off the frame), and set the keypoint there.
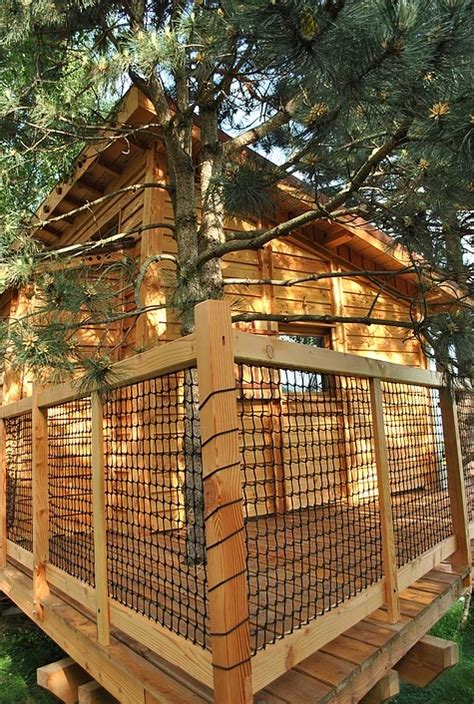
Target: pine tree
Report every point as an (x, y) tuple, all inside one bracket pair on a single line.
[(367, 101)]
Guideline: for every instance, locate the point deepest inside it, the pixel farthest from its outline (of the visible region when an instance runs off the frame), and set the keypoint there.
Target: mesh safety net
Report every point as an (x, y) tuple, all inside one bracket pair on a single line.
[(18, 465)]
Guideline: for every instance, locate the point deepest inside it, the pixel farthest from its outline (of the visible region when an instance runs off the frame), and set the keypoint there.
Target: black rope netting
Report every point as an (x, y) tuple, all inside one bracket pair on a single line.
[(310, 493), (71, 540), (18, 461), (417, 463), (465, 407), (154, 506)]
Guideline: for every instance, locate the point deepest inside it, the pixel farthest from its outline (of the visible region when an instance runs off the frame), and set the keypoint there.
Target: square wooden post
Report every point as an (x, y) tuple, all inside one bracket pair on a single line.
[(39, 481), (385, 502), (99, 521), (456, 487), (3, 495), (223, 505)]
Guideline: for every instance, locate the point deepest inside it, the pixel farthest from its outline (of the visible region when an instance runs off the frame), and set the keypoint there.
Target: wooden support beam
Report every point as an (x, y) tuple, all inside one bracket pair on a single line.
[(3, 496), (337, 241), (40, 504), (224, 518), (427, 660), (92, 188), (385, 689), (100, 525), (108, 166), (456, 487), (94, 693), (385, 502), (62, 678)]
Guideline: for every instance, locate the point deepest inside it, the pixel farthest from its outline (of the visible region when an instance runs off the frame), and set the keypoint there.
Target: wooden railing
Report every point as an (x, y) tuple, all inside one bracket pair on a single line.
[(140, 461)]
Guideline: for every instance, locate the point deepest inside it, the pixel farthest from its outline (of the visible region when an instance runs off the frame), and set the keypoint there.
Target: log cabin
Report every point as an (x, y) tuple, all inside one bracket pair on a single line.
[(337, 476)]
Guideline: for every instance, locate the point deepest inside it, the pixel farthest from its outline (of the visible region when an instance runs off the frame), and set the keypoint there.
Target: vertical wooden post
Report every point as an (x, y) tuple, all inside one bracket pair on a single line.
[(456, 488), (224, 518), (3, 496), (99, 519), (39, 481), (385, 502)]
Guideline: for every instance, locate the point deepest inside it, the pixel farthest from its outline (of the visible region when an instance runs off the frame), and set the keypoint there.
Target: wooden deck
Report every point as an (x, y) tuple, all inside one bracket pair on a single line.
[(306, 562), (342, 671)]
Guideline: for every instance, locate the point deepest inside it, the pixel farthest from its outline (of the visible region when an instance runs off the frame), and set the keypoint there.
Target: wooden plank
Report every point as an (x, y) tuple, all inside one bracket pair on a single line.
[(40, 504), (391, 643), (62, 678), (385, 502), (151, 325), (181, 652), (409, 573), (18, 553), (17, 408), (427, 660), (94, 693), (120, 669), (276, 659), (386, 688), (279, 353), (3, 496), (99, 518), (224, 519), (170, 357), (455, 472)]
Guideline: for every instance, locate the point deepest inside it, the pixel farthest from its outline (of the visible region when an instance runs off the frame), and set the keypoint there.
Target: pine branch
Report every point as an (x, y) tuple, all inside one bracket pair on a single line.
[(237, 144), (98, 201), (317, 277), (323, 319)]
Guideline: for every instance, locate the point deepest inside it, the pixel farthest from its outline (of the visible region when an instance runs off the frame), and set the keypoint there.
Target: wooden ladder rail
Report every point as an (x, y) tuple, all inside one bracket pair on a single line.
[(223, 510)]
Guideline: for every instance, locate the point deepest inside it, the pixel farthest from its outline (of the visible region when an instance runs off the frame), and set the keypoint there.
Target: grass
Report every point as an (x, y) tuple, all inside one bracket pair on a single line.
[(457, 685), (24, 648)]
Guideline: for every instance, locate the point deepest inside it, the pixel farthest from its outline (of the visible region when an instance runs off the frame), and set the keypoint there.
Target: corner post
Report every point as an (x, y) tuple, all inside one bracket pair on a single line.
[(99, 519), (3, 495), (223, 505), (456, 488), (39, 480), (385, 502)]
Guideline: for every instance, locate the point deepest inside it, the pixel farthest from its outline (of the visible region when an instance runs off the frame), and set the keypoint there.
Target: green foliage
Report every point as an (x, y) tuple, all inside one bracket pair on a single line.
[(24, 648), (359, 74), (456, 685)]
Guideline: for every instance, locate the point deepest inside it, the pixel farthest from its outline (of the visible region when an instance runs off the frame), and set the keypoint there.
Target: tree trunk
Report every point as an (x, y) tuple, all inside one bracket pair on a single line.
[(192, 287)]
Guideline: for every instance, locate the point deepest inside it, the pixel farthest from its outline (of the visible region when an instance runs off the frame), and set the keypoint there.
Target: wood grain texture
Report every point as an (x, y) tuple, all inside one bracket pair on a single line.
[(385, 502), (224, 519), (40, 505)]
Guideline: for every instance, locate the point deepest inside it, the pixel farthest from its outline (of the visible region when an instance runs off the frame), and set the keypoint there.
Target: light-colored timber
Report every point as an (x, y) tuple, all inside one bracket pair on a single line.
[(63, 679), (385, 502), (93, 693), (40, 506), (292, 574), (427, 660), (386, 688), (224, 518)]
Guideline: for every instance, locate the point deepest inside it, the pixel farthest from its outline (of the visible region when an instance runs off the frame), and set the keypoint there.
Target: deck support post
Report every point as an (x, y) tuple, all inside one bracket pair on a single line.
[(39, 482), (3, 495), (99, 517), (385, 502), (223, 505), (456, 487)]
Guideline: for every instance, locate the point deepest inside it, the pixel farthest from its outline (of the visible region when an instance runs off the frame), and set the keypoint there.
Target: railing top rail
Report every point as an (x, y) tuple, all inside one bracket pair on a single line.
[(170, 357), (272, 352)]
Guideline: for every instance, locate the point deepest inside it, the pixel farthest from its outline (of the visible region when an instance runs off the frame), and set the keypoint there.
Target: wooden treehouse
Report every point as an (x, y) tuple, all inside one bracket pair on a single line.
[(338, 483)]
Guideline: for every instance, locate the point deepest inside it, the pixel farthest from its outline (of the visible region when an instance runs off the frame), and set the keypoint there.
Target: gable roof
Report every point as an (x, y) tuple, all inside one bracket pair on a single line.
[(352, 239)]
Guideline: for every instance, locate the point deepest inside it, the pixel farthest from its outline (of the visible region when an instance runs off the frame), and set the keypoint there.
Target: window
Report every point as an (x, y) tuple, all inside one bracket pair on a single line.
[(300, 381)]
